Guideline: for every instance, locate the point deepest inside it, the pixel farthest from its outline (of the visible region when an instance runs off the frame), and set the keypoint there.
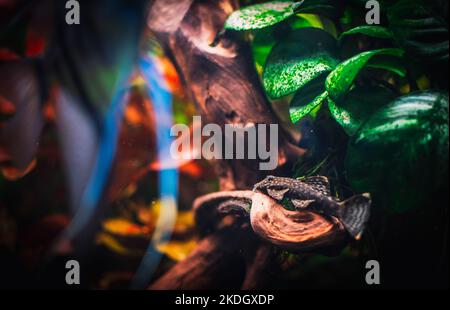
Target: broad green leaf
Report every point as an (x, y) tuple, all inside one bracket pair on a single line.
[(371, 31), (259, 16), (264, 15), (328, 8), (314, 20), (298, 59), (342, 78), (305, 21), (298, 112), (390, 63), (420, 30), (265, 39), (401, 153), (360, 104), (262, 44), (308, 94)]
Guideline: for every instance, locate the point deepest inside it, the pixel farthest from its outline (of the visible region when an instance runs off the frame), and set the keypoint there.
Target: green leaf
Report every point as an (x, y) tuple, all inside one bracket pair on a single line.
[(328, 8), (307, 94), (389, 63), (298, 112), (264, 15), (401, 153), (342, 78), (298, 59), (360, 104), (301, 22), (265, 39), (420, 30), (260, 16), (371, 31), (262, 44)]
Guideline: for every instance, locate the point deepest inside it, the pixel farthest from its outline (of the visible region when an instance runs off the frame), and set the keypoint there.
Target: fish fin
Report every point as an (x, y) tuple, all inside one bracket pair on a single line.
[(319, 183), (301, 204), (235, 206), (92, 64), (21, 87), (354, 214), (79, 141), (277, 194)]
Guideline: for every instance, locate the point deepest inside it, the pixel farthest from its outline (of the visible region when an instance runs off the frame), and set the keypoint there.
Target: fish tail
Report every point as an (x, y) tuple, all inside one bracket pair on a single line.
[(354, 214)]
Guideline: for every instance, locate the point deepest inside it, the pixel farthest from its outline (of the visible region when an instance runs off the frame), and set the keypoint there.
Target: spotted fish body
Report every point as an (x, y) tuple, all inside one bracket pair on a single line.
[(313, 193)]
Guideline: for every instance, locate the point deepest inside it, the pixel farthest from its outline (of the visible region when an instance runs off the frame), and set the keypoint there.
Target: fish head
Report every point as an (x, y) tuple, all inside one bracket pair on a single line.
[(263, 185), (272, 187)]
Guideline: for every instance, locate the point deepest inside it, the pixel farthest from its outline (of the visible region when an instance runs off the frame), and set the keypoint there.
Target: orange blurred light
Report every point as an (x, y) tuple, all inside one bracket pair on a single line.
[(11, 173)]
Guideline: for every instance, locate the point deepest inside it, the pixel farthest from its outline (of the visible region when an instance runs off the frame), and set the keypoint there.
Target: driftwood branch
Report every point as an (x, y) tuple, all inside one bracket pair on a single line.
[(298, 231), (214, 264), (260, 267), (222, 81)]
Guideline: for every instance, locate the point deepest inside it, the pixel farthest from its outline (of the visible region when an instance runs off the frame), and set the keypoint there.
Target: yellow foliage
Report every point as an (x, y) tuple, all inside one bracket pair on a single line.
[(122, 227), (177, 250), (111, 243)]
